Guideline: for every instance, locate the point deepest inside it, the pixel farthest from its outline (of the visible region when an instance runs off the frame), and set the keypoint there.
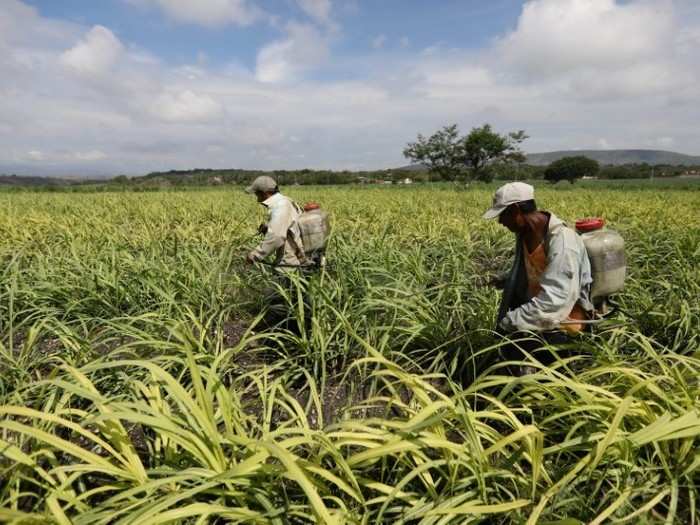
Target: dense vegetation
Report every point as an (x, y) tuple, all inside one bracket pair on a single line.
[(177, 179), (137, 387), (570, 169)]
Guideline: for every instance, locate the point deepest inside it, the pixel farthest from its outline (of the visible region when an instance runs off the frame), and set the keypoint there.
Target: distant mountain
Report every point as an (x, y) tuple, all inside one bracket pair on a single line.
[(617, 157), (19, 180), (413, 167)]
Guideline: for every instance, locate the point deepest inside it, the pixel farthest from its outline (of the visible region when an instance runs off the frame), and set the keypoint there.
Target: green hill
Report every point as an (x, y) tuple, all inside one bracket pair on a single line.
[(617, 157)]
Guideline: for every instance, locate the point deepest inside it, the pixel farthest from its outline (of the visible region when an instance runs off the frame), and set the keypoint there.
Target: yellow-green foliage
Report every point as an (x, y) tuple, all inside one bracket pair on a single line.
[(136, 385)]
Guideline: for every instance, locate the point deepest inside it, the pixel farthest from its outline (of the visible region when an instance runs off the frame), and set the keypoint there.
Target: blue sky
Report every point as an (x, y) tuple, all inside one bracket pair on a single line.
[(130, 86), (455, 23)]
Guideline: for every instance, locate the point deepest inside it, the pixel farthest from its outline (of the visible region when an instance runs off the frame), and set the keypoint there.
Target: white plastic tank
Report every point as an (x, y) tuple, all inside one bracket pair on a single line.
[(606, 253), (314, 225)]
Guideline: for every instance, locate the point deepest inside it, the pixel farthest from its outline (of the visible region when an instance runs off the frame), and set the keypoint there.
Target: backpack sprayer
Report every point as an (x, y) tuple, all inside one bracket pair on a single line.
[(606, 254), (314, 230)]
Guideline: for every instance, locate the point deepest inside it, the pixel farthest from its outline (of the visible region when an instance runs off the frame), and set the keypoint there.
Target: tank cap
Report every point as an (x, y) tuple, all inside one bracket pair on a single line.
[(589, 224), (311, 206)]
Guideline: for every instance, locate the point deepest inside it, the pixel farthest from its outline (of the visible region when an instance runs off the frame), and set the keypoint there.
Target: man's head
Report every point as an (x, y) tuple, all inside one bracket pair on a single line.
[(512, 202), (263, 187)]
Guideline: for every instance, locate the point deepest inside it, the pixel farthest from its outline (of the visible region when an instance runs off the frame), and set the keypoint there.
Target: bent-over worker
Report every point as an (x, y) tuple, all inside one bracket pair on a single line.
[(549, 284), (282, 238)]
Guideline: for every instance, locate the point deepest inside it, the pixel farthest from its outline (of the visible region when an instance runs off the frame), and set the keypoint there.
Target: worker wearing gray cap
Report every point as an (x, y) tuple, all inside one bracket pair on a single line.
[(549, 284), (282, 236)]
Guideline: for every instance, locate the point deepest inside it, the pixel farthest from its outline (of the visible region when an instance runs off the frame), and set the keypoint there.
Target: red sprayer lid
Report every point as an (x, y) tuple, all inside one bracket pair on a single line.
[(589, 224), (311, 206)]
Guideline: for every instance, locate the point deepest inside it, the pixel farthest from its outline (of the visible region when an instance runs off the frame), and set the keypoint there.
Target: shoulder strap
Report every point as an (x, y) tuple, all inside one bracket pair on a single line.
[(509, 289), (298, 250), (296, 206)]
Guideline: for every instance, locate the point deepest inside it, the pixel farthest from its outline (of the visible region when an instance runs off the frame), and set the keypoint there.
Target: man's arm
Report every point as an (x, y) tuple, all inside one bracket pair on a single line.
[(276, 236), (560, 291)]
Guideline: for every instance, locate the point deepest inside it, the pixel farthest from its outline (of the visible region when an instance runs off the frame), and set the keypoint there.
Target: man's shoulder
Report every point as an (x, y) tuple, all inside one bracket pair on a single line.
[(557, 226), (282, 204), (278, 200), (562, 233)]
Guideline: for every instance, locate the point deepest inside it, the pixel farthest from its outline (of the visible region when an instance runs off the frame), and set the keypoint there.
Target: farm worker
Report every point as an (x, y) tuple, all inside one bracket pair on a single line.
[(281, 233), (548, 286), (282, 238)]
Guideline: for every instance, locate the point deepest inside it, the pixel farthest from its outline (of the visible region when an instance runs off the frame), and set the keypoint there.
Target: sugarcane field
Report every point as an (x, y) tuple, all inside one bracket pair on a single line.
[(138, 386), (349, 262)]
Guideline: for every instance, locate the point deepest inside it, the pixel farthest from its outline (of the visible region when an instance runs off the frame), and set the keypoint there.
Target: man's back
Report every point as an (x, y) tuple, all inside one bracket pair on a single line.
[(282, 237), (563, 284)]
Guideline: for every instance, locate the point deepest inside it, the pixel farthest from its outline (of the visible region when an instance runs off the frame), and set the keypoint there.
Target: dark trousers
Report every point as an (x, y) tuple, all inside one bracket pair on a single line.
[(545, 348), (286, 302)]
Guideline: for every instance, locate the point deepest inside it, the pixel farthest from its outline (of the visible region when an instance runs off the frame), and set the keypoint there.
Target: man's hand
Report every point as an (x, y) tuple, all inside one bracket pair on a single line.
[(506, 325), (249, 259), (262, 229)]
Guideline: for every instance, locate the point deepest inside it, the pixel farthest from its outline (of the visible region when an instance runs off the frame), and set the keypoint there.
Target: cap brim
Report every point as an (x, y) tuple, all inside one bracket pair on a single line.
[(249, 189), (493, 212)]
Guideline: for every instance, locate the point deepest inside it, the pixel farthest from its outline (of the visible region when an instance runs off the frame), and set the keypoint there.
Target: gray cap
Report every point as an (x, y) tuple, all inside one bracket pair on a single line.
[(262, 184), (508, 194)]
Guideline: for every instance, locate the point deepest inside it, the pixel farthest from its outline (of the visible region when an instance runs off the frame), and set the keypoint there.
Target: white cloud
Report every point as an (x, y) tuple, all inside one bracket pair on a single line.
[(285, 60), (554, 36), (36, 155), (57, 156), (379, 41), (449, 74), (665, 142), (95, 54), (21, 25), (89, 156), (654, 78), (146, 114), (207, 12), (602, 50), (186, 106), (319, 10)]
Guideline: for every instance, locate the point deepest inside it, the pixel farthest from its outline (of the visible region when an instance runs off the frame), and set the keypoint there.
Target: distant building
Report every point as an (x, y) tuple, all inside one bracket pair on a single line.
[(407, 180)]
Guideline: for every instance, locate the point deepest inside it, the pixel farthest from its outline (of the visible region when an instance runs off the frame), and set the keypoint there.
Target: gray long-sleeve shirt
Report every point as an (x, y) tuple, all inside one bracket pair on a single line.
[(283, 237), (565, 281)]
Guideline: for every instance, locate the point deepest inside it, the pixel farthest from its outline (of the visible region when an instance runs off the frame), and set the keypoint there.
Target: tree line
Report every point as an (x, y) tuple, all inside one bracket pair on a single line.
[(481, 155), (484, 155)]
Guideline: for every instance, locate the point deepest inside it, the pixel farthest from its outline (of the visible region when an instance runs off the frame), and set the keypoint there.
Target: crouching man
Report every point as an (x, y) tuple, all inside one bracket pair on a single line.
[(281, 242), (547, 290)]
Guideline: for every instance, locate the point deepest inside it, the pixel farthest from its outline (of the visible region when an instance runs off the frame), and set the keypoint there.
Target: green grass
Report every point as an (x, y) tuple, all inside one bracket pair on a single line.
[(136, 386)]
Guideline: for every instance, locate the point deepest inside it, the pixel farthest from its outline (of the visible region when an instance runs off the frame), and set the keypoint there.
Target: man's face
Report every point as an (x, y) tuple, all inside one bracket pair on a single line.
[(261, 196), (511, 218)]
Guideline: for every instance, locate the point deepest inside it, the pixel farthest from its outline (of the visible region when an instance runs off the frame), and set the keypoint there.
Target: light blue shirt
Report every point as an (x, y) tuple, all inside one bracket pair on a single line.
[(566, 280), (283, 237)]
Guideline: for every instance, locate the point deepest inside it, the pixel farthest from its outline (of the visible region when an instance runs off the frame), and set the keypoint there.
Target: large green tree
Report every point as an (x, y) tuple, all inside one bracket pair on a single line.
[(442, 152), (571, 168), (448, 155), (483, 147)]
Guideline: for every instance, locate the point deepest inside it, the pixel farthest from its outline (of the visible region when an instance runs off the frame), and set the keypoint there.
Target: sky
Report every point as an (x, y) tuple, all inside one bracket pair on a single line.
[(132, 86)]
